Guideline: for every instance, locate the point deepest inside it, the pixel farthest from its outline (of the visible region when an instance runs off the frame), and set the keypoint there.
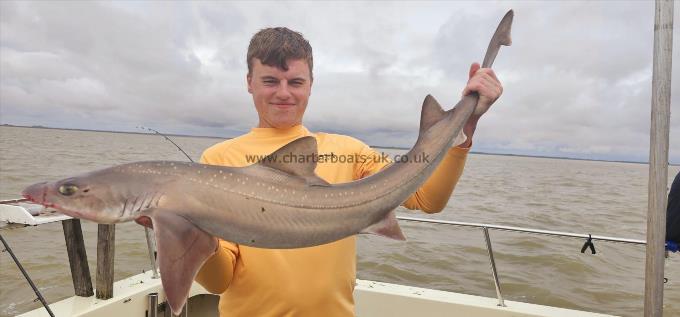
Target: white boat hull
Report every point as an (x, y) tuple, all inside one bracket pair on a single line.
[(372, 299)]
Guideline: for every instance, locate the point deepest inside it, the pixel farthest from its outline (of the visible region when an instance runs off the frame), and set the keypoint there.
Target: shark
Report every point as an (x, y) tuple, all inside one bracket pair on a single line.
[(274, 203)]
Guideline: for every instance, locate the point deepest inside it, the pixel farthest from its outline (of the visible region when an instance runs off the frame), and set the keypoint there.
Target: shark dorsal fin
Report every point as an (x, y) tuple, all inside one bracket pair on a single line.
[(431, 113), (297, 158)]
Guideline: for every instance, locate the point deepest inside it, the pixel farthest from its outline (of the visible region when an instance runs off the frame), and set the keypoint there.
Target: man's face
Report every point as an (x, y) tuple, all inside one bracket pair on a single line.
[(280, 96)]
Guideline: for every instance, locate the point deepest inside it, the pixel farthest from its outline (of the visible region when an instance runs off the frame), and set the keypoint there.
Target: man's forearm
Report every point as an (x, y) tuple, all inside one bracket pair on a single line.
[(433, 195)]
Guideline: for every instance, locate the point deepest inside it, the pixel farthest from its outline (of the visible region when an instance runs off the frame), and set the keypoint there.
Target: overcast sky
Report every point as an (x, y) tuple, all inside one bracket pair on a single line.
[(577, 78)]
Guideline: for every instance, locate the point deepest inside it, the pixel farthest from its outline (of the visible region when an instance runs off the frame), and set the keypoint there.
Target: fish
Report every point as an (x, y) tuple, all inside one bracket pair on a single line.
[(271, 204), (274, 203)]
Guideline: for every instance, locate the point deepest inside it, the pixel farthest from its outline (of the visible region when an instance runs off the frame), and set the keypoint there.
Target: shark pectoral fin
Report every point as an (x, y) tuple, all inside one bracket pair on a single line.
[(182, 249), (387, 227)]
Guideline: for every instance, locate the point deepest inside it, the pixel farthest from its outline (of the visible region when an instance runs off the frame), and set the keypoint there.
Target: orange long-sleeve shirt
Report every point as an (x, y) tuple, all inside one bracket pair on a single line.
[(315, 281)]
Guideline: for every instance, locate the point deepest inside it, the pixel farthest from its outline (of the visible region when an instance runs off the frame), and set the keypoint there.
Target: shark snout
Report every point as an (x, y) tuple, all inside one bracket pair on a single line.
[(36, 192)]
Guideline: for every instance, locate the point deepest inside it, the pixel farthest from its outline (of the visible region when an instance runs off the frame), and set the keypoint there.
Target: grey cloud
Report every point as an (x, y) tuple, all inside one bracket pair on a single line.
[(577, 78), (107, 59), (580, 78)]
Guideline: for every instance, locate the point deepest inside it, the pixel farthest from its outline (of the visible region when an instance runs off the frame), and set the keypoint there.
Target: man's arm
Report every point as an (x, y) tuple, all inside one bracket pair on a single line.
[(434, 194)]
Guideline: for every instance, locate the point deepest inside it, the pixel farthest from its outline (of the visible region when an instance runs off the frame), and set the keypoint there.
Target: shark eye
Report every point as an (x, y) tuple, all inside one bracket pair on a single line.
[(68, 189)]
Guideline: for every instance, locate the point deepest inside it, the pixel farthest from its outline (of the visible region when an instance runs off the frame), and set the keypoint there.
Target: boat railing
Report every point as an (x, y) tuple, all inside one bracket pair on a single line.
[(487, 238), (485, 230)]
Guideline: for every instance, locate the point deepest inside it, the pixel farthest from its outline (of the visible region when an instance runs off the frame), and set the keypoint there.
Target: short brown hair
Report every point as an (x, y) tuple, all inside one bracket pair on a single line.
[(274, 46)]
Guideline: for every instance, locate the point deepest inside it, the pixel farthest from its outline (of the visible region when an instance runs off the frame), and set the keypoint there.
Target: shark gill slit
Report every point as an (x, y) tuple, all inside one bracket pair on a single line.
[(147, 201), (122, 211), (142, 203), (156, 199), (132, 206), (138, 203)]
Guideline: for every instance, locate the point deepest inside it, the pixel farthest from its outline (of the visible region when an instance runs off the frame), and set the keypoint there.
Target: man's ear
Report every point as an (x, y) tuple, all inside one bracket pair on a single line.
[(249, 82)]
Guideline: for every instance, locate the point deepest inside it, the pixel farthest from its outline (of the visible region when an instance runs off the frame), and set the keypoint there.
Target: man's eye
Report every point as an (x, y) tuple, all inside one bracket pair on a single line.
[(269, 82)]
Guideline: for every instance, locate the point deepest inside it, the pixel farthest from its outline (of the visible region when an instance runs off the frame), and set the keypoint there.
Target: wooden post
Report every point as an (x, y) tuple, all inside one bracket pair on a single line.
[(106, 242), (77, 258), (658, 157)]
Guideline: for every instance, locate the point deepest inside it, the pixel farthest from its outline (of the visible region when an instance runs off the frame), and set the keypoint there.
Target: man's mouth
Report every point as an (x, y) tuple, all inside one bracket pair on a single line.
[(283, 105)]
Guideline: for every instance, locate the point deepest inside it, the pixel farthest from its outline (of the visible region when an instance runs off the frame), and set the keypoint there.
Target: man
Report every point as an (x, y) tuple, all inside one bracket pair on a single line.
[(315, 281)]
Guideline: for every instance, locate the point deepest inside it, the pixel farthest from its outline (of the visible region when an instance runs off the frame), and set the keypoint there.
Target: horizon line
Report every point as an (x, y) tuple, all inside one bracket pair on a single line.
[(371, 145)]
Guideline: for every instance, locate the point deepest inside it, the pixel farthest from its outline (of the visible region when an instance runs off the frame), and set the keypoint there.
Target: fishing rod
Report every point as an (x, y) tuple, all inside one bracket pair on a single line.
[(21, 268), (170, 140), (150, 241)]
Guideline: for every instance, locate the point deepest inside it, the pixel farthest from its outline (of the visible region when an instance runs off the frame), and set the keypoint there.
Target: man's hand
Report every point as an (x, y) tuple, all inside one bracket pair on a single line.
[(483, 81)]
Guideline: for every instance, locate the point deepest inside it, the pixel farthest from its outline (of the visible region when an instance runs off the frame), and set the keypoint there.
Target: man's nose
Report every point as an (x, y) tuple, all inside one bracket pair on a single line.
[(282, 92)]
